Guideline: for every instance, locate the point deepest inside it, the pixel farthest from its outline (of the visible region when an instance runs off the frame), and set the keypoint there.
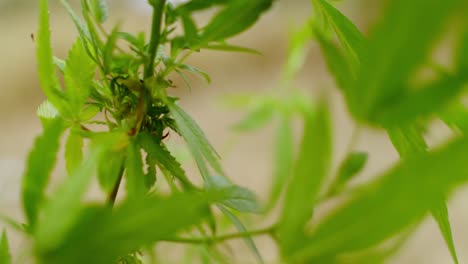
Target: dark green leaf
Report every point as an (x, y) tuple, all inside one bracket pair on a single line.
[(230, 48), (241, 228), (5, 257), (283, 159), (381, 217), (73, 151), (47, 78), (398, 46), (235, 18), (190, 29), (310, 170), (461, 59), (134, 172), (164, 158), (41, 161), (197, 5), (134, 224)]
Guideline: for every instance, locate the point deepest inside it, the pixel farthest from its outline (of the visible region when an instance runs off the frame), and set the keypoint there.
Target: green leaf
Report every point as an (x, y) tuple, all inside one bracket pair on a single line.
[(241, 228), (421, 103), (297, 50), (350, 167), (195, 138), (79, 74), (134, 171), (440, 213), (373, 213), (41, 161), (46, 69), (283, 159), (235, 18), (310, 170), (258, 117), (398, 46), (110, 168), (164, 158), (133, 225), (47, 112), (73, 151), (5, 257), (337, 65), (461, 53), (233, 196), (54, 225), (230, 48), (455, 116), (190, 29), (197, 5), (349, 36), (99, 10), (409, 142), (195, 70)]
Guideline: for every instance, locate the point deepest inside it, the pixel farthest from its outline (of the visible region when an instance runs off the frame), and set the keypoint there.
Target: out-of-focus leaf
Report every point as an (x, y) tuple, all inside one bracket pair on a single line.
[(134, 171), (241, 228), (235, 18), (421, 103), (164, 158), (380, 217), (134, 224), (73, 151), (5, 257), (195, 70), (195, 138), (109, 47), (455, 116), (409, 142), (461, 59), (349, 36), (100, 10), (47, 77), (79, 73), (233, 196), (283, 159), (231, 48), (310, 170), (297, 50), (350, 167), (47, 112), (398, 46), (41, 161), (54, 224), (197, 5), (110, 168), (190, 29), (89, 112), (337, 65), (60, 64), (258, 117)]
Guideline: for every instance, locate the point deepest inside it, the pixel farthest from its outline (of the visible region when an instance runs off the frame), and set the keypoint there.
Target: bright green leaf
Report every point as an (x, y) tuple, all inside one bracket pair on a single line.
[(233, 196), (41, 161), (73, 151), (258, 117), (310, 170), (110, 168), (100, 10), (350, 167), (230, 48), (55, 224), (134, 171), (79, 74), (47, 77), (134, 224), (5, 257), (381, 217), (398, 46), (47, 112), (283, 159)]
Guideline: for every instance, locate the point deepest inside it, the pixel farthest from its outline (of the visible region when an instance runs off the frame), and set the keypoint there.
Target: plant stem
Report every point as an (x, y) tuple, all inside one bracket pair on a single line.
[(222, 238), (158, 9), (113, 194)]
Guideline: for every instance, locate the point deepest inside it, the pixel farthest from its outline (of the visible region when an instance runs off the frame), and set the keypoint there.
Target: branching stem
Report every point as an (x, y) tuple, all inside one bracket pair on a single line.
[(158, 9)]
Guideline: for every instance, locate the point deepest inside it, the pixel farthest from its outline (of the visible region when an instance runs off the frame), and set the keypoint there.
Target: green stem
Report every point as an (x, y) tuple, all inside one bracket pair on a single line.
[(222, 238), (158, 9), (115, 190)]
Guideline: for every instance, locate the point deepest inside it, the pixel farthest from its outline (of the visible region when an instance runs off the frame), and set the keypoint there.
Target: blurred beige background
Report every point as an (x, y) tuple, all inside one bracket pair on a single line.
[(247, 159)]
